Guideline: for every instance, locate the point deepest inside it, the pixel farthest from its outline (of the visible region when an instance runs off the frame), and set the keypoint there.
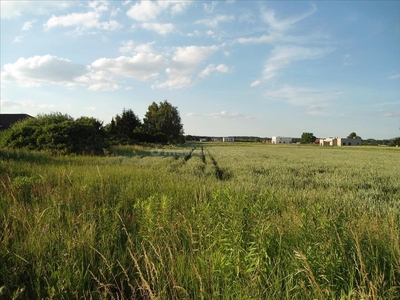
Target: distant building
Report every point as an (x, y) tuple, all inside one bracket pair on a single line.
[(336, 141), (228, 139), (203, 140), (281, 140), (7, 120)]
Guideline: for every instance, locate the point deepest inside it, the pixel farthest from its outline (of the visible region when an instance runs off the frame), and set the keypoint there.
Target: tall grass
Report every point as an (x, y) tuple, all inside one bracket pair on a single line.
[(228, 222)]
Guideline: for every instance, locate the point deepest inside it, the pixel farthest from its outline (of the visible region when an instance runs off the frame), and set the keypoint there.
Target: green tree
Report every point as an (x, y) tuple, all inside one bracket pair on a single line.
[(353, 135), (307, 138), (395, 142), (162, 121), (126, 123)]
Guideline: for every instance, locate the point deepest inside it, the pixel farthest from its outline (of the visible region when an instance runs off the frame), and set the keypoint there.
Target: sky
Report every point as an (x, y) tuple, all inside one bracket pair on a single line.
[(232, 68)]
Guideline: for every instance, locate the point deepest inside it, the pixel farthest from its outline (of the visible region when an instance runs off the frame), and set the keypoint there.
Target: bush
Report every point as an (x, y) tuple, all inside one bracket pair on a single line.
[(57, 133)]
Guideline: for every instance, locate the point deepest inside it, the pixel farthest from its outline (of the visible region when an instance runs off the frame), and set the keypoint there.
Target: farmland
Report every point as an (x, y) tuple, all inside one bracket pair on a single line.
[(203, 221)]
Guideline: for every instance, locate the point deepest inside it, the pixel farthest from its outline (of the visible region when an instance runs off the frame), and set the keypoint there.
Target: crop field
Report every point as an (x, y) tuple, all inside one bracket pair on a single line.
[(201, 221)]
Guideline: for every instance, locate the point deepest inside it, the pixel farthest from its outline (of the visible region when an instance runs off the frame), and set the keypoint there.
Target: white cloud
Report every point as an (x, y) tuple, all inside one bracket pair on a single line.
[(318, 109), (214, 69), (82, 21), (255, 83), (195, 33), (105, 86), (97, 80), (91, 108), (285, 24), (18, 39), (214, 22), (99, 6), (85, 21), (388, 114), (130, 47), (15, 9), (347, 60), (282, 56), (25, 104), (209, 7), (28, 25), (316, 100), (247, 17), (162, 29), (184, 66), (221, 115), (227, 115), (115, 12), (257, 40), (193, 55), (142, 66), (45, 69), (175, 82), (393, 77), (127, 46), (179, 7), (192, 114), (146, 11)]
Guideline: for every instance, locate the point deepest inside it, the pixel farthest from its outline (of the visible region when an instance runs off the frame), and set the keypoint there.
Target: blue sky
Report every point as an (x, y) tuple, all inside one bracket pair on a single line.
[(231, 67)]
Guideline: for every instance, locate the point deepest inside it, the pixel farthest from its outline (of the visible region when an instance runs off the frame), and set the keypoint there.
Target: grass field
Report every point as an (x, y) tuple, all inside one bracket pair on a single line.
[(204, 221)]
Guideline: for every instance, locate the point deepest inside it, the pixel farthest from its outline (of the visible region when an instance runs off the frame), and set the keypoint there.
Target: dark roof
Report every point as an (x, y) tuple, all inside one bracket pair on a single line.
[(6, 120)]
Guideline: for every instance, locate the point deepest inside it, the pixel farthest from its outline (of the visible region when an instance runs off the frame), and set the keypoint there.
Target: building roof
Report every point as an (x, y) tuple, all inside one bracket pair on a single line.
[(6, 120)]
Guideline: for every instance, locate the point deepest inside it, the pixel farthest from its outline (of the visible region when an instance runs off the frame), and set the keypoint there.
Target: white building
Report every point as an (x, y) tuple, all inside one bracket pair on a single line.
[(281, 140), (336, 141), (228, 139)]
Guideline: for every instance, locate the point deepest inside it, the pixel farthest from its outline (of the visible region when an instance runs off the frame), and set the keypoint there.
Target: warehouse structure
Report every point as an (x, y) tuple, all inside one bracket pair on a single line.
[(281, 140), (336, 141)]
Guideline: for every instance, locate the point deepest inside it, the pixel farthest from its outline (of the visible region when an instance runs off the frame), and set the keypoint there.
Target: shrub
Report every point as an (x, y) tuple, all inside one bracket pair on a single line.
[(57, 133)]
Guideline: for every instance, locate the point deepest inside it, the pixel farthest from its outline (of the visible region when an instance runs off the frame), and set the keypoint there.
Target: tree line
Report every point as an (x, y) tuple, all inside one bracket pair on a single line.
[(63, 134)]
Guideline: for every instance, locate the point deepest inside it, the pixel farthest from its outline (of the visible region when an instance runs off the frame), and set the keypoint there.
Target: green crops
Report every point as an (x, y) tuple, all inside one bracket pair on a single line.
[(205, 221)]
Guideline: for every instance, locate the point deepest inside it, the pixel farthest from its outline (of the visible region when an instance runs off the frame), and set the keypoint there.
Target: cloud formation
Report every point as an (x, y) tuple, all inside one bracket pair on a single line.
[(185, 62), (46, 69), (214, 22), (15, 9), (282, 56), (85, 21), (222, 115), (221, 68), (316, 101), (142, 66), (146, 11), (160, 28)]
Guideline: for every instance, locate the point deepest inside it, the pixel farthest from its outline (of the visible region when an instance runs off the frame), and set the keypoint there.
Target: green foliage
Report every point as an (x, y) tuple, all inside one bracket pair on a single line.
[(57, 133), (122, 129), (163, 119), (395, 142), (126, 123), (307, 138), (353, 135), (238, 221)]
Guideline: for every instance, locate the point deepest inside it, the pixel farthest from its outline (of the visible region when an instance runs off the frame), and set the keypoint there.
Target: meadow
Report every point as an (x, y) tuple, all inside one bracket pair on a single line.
[(201, 221)]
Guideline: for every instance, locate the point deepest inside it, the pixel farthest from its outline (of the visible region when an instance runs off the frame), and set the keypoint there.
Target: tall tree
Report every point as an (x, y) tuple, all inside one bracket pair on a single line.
[(307, 138), (163, 120), (126, 123), (353, 135)]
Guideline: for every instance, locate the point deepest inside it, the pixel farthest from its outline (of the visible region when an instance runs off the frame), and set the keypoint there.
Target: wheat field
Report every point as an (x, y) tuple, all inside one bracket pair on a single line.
[(201, 221)]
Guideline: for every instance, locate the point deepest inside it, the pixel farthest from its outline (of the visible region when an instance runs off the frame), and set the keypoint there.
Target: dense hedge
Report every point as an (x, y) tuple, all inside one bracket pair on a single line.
[(58, 133)]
